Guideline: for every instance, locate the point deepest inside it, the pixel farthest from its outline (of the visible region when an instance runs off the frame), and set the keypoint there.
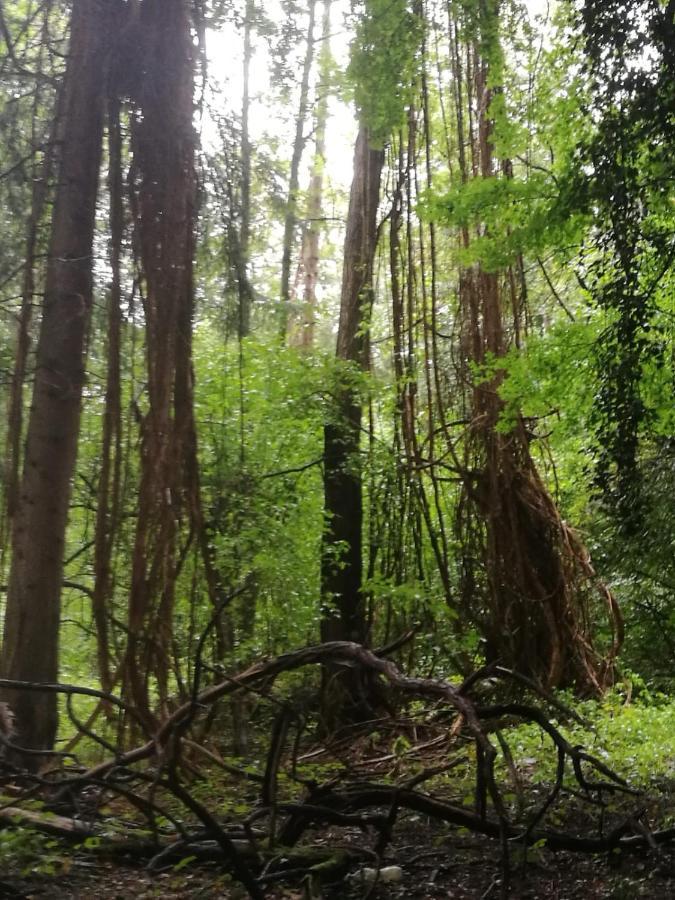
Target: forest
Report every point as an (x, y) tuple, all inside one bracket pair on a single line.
[(337, 391)]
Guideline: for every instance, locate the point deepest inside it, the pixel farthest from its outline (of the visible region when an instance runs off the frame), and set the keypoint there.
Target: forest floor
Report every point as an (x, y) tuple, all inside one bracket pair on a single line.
[(465, 870), (436, 859), (435, 865)]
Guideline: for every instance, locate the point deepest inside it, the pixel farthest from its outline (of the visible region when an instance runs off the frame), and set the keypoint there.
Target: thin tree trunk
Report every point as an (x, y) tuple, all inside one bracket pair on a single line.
[(243, 286), (302, 331), (31, 634), (107, 509), (290, 216)]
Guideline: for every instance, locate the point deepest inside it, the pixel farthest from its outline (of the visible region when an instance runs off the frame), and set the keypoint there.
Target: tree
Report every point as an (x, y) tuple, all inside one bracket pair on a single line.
[(109, 482), (243, 239), (164, 144), (618, 177), (40, 181), (377, 68), (291, 215), (342, 603), (535, 573), (31, 631), (302, 330)]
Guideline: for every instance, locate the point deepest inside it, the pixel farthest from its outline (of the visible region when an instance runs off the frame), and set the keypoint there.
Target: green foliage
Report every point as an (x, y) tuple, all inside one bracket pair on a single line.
[(636, 739), (621, 174), (261, 443), (583, 180), (29, 852), (511, 216), (385, 64)]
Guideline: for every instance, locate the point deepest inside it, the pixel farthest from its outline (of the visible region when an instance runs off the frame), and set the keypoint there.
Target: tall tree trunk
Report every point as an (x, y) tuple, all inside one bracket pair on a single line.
[(163, 142), (302, 330), (107, 507), (343, 616), (537, 575), (15, 407), (31, 633), (290, 215), (244, 292)]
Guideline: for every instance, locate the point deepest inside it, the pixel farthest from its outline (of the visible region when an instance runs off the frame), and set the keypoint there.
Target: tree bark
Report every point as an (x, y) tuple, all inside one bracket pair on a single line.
[(163, 143), (342, 613), (31, 632), (42, 177)]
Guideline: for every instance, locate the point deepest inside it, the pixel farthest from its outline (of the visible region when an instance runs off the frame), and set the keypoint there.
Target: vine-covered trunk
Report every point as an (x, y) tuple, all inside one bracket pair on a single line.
[(163, 145), (31, 632), (536, 581)]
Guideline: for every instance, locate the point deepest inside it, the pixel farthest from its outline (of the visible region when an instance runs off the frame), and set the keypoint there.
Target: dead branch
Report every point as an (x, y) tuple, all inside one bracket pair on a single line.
[(155, 768)]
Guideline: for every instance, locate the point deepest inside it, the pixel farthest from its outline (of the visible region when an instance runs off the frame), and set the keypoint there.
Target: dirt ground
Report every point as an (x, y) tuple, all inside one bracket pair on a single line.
[(435, 864)]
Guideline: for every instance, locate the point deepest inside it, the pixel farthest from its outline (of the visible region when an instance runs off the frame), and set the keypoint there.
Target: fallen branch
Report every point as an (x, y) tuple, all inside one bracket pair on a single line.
[(156, 767)]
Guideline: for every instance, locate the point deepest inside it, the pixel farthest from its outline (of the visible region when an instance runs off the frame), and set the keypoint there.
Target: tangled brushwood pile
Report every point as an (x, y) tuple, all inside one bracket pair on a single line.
[(320, 814)]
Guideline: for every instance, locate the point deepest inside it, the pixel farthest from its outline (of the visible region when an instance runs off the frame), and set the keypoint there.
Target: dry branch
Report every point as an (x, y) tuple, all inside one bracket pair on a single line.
[(155, 767)]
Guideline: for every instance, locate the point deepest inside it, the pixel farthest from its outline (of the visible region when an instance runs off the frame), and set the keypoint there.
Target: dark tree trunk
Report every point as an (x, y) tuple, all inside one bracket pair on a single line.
[(343, 615), (31, 633), (41, 179)]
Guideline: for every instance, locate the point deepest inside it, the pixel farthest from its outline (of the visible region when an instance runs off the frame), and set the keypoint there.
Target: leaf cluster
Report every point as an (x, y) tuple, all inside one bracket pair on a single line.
[(385, 64)]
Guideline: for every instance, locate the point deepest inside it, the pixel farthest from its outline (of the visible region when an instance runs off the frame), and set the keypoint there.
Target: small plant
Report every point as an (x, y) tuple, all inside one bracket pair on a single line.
[(30, 853), (636, 738)]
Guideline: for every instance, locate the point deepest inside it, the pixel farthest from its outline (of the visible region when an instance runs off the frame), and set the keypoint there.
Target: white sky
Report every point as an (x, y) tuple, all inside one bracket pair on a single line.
[(266, 114)]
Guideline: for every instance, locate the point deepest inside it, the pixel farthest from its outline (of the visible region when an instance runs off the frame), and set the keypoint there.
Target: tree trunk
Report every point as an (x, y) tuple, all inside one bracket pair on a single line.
[(107, 506), (244, 292), (343, 616), (15, 408), (290, 216), (163, 143), (31, 633), (302, 330), (536, 574)]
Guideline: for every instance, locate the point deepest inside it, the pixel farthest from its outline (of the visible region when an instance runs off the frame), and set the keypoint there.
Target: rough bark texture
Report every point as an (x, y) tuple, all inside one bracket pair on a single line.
[(343, 615), (163, 143), (30, 646)]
